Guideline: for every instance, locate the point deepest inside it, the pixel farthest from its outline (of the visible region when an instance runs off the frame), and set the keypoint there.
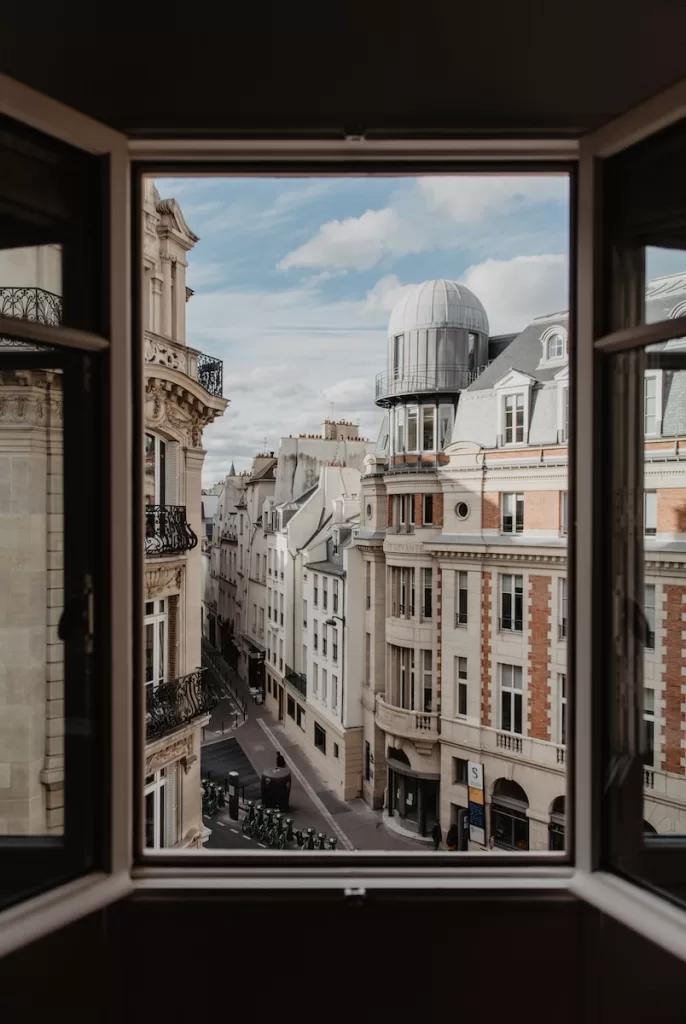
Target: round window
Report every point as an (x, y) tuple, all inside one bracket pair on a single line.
[(369, 511), (462, 510)]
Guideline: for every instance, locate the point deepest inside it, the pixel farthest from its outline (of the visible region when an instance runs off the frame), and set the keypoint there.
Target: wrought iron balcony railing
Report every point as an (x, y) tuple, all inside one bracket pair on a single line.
[(31, 304), (297, 679), (207, 370), (167, 531), (420, 380), (177, 702), (210, 374)]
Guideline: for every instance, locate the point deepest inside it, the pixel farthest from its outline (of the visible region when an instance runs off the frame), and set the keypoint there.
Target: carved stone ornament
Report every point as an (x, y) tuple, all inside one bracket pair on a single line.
[(159, 579), (172, 752), (160, 353), (31, 406)]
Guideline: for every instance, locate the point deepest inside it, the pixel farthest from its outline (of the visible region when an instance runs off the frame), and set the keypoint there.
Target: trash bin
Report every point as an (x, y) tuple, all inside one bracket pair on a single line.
[(276, 788)]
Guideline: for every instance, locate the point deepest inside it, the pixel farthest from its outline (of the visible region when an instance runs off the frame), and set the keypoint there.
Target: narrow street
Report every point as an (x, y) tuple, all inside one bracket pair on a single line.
[(249, 746)]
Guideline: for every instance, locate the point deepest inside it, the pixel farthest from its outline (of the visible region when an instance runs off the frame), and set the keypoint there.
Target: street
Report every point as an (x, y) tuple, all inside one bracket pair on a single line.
[(249, 746)]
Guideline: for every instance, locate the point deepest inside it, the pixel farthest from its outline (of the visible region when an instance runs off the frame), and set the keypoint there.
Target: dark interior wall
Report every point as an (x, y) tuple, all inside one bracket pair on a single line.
[(439, 67), (322, 958)]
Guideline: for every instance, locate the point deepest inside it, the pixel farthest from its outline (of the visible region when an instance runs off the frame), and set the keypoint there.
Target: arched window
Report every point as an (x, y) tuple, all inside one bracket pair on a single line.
[(509, 821), (556, 828), (556, 346)]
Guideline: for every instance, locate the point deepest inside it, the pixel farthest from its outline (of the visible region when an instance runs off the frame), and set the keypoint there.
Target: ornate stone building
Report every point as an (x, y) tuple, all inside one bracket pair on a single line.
[(464, 536), (183, 393)]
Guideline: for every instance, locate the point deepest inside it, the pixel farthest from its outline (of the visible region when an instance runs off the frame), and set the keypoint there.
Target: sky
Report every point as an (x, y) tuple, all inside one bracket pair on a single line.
[(295, 278)]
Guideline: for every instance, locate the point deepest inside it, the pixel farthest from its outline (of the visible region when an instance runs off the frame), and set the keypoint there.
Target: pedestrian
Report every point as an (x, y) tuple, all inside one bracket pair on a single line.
[(436, 835), (280, 763), (451, 838)]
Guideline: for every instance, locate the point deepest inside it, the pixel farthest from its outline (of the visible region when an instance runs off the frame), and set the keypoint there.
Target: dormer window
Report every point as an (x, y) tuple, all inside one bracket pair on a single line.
[(514, 408), (556, 346), (554, 342), (513, 419), (652, 404)]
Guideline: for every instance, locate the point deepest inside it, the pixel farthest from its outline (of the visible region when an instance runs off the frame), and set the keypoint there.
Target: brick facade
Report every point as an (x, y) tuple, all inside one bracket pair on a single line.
[(671, 510), (541, 510), (490, 511), (673, 663), (418, 509), (486, 619), (539, 656), (438, 509)]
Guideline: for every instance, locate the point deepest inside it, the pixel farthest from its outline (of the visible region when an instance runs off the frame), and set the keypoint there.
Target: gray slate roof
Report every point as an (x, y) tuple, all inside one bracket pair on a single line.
[(477, 411)]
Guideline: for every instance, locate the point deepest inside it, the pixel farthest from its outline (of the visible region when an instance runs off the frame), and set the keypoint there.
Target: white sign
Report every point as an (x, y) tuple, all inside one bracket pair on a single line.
[(477, 809)]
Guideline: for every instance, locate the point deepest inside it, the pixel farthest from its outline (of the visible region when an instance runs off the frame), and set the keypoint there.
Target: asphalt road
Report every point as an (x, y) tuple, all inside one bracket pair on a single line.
[(227, 835)]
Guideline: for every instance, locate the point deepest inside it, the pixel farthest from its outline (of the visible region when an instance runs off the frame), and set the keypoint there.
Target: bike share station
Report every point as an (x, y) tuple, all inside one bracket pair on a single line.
[(265, 821)]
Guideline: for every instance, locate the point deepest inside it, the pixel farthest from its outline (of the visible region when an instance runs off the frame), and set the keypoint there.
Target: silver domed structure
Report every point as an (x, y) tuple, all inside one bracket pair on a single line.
[(437, 341), (437, 345)]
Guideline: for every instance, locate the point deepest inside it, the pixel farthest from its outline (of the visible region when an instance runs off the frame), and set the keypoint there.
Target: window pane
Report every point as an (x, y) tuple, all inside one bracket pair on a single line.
[(347, 508)]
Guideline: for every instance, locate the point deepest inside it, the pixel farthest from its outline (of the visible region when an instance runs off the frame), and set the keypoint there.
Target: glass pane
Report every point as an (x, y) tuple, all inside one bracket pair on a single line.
[(434, 355), (32, 663), (660, 678), (665, 286), (150, 820), (149, 652)]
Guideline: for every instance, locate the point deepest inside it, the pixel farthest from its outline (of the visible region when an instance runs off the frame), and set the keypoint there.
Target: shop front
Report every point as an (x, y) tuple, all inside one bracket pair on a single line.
[(412, 796)]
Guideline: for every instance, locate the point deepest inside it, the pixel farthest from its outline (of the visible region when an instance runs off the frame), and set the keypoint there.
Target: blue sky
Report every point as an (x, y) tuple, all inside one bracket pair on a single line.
[(295, 278)]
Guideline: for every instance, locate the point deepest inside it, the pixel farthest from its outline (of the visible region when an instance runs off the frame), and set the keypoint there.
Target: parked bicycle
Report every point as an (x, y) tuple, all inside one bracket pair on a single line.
[(275, 830)]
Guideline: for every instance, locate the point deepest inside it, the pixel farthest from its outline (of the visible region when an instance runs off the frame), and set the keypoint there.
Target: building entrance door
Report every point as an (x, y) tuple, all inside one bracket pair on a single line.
[(280, 700)]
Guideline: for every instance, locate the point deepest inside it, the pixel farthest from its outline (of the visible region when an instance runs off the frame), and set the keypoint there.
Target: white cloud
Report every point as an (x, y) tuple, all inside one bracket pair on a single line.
[(385, 293), (515, 291), (424, 215), (288, 355), (358, 242), (469, 199)]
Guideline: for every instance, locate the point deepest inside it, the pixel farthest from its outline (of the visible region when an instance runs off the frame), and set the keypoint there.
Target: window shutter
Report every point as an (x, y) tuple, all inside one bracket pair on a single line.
[(172, 474), (171, 806), (173, 632)]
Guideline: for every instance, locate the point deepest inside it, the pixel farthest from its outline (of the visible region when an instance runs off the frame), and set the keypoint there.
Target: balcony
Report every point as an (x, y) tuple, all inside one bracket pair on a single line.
[(411, 725), (392, 384), (167, 531), (483, 740), (176, 703), (207, 370), (34, 304), (664, 786), (298, 680)]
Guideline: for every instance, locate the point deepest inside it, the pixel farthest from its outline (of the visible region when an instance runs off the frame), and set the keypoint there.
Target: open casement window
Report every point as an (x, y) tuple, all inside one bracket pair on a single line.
[(65, 551), (640, 432)]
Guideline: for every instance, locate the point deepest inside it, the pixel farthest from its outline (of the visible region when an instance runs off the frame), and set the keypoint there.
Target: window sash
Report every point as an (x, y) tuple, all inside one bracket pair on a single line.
[(461, 595)]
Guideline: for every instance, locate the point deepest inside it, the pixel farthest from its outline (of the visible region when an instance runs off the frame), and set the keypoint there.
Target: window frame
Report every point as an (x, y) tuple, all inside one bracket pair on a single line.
[(642, 911), (517, 499), (65, 886), (510, 588), (461, 613)]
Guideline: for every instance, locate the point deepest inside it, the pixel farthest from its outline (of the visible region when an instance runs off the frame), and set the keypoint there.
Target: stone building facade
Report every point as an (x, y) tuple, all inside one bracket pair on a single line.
[(464, 538), (183, 393)]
